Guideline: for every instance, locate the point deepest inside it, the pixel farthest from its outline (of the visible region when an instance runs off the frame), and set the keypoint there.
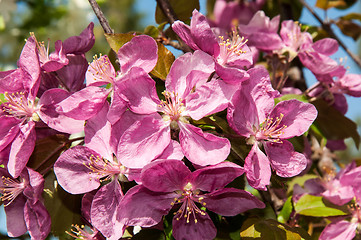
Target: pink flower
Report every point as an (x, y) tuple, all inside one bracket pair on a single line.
[(170, 183), (23, 204), (253, 115), (188, 95)]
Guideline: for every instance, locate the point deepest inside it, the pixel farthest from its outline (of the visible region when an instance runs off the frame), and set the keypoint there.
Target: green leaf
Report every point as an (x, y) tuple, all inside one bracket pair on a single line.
[(63, 207), (333, 125), (165, 61), (286, 211), (183, 10), (349, 28), (316, 206), (117, 40), (326, 4), (285, 97), (270, 229)]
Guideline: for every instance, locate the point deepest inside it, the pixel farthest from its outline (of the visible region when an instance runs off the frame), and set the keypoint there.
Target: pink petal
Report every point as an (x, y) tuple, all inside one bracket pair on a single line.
[(84, 104), (202, 148), (143, 99), (216, 176), (98, 134), (341, 230), (284, 159), (327, 46), (165, 175), (296, 116), (82, 43), (185, 228), (231, 201), (140, 52), (37, 220), (21, 149), (184, 32), (142, 207), (257, 167), (189, 71), (15, 222), (9, 127), (72, 172), (55, 119), (143, 142), (207, 99), (173, 151), (104, 209)]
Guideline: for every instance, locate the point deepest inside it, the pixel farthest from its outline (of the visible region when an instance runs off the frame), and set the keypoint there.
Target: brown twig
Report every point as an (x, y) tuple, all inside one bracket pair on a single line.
[(103, 21), (327, 28)]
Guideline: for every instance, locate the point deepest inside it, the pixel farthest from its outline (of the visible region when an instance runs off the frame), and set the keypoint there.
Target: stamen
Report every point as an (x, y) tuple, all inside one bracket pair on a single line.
[(172, 106), (18, 105), (101, 69), (271, 130), (103, 168), (10, 189)]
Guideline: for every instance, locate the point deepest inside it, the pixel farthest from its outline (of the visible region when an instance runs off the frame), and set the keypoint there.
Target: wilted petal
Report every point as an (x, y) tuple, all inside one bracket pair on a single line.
[(165, 175), (216, 176), (257, 167), (284, 159), (202, 148), (140, 52), (231, 201)]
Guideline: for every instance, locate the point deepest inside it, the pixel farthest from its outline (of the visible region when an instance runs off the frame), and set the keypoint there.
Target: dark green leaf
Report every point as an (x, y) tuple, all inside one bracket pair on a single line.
[(333, 125), (165, 61), (316, 206), (182, 8), (270, 229)]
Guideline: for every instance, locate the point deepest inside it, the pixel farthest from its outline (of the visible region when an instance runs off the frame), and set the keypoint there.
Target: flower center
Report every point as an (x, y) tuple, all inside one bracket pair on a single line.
[(43, 51), (104, 169), (18, 105), (10, 189), (102, 69), (232, 47), (271, 129), (172, 107), (355, 209), (79, 233), (189, 209)]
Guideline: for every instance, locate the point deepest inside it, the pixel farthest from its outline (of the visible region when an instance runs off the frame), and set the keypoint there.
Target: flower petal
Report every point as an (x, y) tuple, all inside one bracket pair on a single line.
[(284, 159), (202, 148), (341, 230), (37, 220), (15, 222), (231, 201), (257, 167)]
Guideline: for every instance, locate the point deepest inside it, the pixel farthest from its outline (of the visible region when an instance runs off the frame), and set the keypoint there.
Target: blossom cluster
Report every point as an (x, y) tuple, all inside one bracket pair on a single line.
[(162, 135)]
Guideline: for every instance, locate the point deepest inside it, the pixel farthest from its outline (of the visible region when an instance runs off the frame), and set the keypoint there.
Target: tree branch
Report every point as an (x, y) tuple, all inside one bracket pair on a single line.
[(327, 28), (103, 21), (172, 17)]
